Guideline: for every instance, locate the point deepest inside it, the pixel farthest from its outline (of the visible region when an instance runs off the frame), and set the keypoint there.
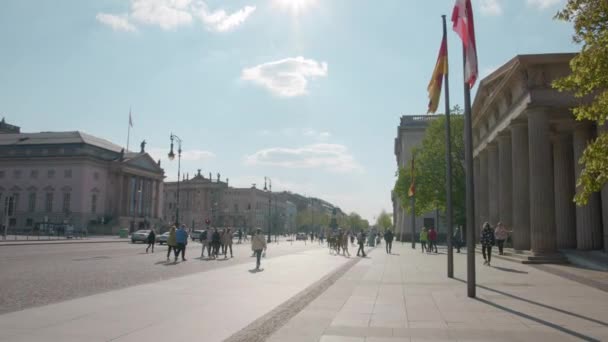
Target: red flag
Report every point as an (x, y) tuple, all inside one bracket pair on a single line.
[(462, 19), (441, 68), (412, 190)]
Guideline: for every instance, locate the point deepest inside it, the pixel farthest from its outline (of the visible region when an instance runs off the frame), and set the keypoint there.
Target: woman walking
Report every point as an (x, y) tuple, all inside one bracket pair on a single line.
[(227, 241), (424, 237), (258, 244), (487, 241), (151, 240), (171, 242), (501, 234)]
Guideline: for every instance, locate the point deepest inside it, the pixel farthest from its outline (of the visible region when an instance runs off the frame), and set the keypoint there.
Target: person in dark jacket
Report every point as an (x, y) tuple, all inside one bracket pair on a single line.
[(487, 241), (151, 240), (216, 241), (433, 239), (388, 237), (361, 241), (457, 239)]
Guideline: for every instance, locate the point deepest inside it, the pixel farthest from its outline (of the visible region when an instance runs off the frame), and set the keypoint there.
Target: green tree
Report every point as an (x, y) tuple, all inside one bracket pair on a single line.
[(589, 79), (429, 170), (384, 220)]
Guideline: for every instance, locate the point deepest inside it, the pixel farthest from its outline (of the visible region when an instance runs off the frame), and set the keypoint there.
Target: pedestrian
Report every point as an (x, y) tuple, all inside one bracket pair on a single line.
[(171, 242), (361, 241), (487, 241), (352, 238), (424, 237), (433, 239), (151, 240), (457, 239), (258, 244), (181, 237), (240, 235), (205, 242), (312, 236), (388, 237), (227, 241), (215, 242), (345, 250), (500, 235)]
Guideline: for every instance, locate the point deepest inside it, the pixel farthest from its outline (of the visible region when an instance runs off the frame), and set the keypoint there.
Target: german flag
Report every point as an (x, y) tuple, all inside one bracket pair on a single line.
[(441, 69), (412, 190)]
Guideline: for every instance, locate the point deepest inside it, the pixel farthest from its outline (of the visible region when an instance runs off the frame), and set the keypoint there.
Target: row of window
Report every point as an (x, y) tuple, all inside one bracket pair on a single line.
[(17, 174), (48, 202)]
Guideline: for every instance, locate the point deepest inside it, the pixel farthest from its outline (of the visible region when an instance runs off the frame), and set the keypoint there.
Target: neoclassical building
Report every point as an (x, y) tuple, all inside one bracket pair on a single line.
[(409, 135), (77, 179), (526, 147)]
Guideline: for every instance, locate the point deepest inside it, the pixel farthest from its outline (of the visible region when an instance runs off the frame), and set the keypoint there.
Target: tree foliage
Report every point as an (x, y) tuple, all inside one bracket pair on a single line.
[(384, 220), (430, 170), (589, 79)]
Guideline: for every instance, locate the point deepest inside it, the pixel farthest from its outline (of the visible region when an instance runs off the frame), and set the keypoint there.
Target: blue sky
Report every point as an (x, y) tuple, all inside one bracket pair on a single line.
[(307, 92)]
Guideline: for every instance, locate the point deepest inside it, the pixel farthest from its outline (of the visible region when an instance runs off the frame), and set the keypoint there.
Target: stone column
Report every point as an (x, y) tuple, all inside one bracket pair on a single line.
[(476, 182), (588, 224), (542, 200), (604, 130), (493, 191), (483, 190), (521, 189), (505, 179), (563, 171)]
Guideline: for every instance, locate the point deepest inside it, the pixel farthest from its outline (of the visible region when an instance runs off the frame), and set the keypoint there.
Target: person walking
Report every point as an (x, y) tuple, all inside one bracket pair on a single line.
[(215, 242), (258, 245), (345, 250), (227, 241), (240, 235), (181, 237), (388, 238), (487, 241), (361, 241), (424, 238), (205, 242), (171, 242), (151, 240), (433, 239), (500, 235), (457, 239)]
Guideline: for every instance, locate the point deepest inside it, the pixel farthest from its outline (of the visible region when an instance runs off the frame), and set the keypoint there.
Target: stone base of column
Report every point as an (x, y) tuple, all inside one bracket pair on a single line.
[(527, 257)]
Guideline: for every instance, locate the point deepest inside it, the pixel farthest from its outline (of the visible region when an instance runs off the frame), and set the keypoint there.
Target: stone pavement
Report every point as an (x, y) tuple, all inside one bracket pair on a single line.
[(44, 240), (206, 306), (408, 297)]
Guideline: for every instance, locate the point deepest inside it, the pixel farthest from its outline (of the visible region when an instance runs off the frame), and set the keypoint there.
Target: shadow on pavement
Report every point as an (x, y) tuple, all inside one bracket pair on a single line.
[(506, 294), (512, 270), (256, 270)]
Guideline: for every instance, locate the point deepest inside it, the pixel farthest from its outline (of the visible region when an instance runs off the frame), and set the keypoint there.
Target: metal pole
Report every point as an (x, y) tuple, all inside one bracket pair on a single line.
[(448, 164), (269, 207), (470, 201), (179, 159), (413, 199)]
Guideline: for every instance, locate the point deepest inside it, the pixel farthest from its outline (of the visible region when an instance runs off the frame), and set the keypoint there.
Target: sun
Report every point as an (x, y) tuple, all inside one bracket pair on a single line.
[(295, 6)]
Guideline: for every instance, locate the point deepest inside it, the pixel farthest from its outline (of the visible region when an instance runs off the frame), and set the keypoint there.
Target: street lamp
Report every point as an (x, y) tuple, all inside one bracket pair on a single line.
[(179, 159), (269, 190)]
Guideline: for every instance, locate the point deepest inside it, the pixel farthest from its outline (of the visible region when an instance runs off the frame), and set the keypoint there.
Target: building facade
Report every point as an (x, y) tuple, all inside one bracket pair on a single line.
[(526, 151), (77, 179), (409, 135)]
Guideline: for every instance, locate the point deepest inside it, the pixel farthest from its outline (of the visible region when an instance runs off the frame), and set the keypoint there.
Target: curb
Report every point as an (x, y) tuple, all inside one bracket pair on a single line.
[(262, 328), (56, 242)]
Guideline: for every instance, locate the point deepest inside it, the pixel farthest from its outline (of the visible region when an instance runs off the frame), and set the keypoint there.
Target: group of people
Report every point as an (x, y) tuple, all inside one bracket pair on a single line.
[(428, 240), (490, 237), (216, 242)]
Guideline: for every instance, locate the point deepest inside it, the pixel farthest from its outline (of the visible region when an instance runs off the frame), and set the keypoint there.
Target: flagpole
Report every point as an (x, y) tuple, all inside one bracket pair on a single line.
[(129, 129), (413, 200), (448, 157), (470, 201)]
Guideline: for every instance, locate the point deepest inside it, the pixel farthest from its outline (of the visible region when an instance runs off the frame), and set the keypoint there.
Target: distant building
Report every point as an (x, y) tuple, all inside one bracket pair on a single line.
[(409, 135), (77, 179)]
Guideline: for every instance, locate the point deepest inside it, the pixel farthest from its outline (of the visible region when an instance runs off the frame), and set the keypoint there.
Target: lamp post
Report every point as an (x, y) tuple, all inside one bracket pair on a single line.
[(179, 159), (268, 181)]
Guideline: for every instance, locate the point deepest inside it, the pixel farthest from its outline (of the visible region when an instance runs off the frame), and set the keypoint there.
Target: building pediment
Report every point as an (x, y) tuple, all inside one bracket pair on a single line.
[(145, 162)]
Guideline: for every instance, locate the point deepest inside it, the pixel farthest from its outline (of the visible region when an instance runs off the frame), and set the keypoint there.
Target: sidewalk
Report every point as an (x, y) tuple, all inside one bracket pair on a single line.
[(408, 297), (22, 241), (206, 306)]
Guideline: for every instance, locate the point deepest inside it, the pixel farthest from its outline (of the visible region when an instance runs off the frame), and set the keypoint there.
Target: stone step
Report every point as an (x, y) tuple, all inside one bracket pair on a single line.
[(526, 257)]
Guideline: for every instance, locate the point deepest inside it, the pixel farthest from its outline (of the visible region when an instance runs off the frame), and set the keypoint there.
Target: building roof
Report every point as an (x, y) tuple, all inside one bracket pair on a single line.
[(56, 138)]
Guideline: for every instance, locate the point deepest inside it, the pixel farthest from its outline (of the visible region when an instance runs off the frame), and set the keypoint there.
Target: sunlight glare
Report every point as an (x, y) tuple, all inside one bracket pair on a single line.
[(295, 6)]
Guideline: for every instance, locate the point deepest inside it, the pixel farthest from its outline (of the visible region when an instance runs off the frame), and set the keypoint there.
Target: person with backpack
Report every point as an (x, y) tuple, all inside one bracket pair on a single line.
[(500, 235), (151, 240), (388, 237), (181, 237), (204, 238), (487, 241), (171, 242), (361, 242)]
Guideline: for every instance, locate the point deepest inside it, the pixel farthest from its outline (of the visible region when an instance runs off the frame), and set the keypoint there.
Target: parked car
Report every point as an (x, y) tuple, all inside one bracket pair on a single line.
[(140, 235), (196, 235), (301, 236), (162, 238)]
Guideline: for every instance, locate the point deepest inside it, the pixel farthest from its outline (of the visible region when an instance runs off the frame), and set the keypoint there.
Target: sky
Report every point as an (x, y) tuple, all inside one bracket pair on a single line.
[(306, 92)]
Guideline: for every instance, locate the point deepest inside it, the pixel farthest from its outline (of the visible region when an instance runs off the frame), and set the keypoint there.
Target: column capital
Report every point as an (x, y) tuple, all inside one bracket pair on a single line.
[(518, 123), (493, 145), (532, 109)]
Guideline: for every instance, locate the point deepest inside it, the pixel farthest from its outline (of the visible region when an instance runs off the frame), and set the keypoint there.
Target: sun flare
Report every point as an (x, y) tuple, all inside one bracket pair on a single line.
[(295, 6)]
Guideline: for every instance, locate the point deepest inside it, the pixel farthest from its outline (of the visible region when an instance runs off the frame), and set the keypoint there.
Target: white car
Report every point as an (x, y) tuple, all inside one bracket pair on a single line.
[(162, 238), (140, 235)]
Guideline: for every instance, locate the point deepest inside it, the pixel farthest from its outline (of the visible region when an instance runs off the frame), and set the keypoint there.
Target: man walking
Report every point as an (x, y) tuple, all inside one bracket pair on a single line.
[(361, 241), (258, 244), (205, 242), (181, 237), (227, 241), (388, 237), (432, 239), (151, 240), (215, 242), (424, 237), (240, 235)]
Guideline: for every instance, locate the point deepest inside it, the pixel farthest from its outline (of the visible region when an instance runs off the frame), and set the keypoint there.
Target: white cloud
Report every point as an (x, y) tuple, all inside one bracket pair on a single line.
[(330, 157), (116, 22), (316, 134), (187, 155), (220, 21), (286, 77), (490, 7), (543, 4), (171, 14)]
